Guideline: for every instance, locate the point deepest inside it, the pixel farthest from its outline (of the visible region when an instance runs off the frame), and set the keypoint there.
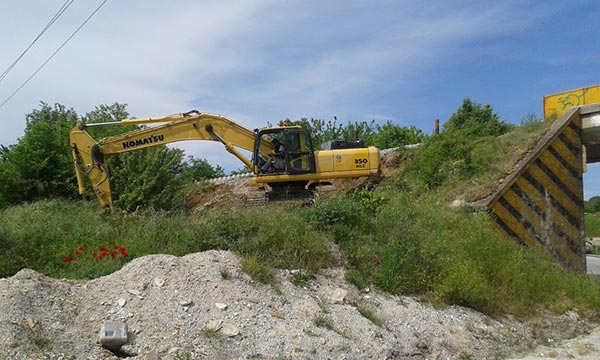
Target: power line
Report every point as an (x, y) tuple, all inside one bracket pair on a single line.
[(53, 54), (60, 11)]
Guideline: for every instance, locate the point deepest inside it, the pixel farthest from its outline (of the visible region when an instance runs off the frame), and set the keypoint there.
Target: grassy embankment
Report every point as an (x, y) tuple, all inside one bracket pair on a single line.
[(402, 238)]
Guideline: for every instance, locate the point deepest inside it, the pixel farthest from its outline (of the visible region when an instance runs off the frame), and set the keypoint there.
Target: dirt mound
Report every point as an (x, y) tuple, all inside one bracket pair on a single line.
[(237, 191), (201, 306)]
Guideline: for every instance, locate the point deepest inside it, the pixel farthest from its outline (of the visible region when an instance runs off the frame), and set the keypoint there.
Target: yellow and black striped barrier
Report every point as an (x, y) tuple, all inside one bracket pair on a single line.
[(540, 204)]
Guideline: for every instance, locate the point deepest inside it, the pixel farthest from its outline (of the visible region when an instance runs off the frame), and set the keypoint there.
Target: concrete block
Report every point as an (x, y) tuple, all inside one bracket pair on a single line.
[(113, 335)]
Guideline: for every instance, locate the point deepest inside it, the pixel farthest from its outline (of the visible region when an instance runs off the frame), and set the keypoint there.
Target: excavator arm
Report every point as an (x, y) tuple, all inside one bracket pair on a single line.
[(89, 154)]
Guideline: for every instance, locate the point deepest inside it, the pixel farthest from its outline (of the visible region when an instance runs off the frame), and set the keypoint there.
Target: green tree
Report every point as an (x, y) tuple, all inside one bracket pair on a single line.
[(322, 131), (390, 135), (11, 183), (40, 164), (475, 120), (201, 169), (106, 114), (148, 178), (592, 205), (152, 177)]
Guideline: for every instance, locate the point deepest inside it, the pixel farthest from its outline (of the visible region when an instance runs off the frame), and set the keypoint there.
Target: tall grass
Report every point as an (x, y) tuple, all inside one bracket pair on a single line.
[(416, 246), (592, 225), (42, 235)]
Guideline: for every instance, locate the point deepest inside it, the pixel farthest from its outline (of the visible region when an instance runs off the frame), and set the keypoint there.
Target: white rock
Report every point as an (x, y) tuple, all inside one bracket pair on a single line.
[(229, 330), (121, 302), (338, 296), (221, 306), (158, 282), (214, 325)]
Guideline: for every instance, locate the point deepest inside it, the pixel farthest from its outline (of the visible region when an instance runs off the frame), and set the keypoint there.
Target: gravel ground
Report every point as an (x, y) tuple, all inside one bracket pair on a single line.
[(201, 306)]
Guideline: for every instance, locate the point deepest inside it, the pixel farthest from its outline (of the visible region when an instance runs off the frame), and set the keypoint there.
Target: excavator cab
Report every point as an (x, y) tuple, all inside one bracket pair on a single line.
[(296, 155)]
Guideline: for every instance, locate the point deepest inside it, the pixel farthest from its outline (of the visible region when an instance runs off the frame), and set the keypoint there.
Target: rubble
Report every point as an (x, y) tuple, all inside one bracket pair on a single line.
[(171, 313)]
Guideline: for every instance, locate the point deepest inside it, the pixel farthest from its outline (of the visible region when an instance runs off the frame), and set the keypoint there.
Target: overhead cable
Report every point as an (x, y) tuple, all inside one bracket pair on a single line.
[(60, 11), (53, 54)]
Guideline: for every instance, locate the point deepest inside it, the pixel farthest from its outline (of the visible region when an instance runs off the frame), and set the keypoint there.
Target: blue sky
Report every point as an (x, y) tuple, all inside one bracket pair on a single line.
[(262, 61)]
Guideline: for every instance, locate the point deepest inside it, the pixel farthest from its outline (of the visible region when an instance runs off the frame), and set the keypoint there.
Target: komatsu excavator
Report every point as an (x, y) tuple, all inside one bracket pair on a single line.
[(295, 167)]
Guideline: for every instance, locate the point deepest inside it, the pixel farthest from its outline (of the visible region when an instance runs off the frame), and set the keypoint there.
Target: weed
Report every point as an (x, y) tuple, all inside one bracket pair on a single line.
[(183, 356), (323, 321), (302, 278), (369, 314), (465, 356), (344, 333), (224, 274), (258, 270), (36, 335), (210, 332)]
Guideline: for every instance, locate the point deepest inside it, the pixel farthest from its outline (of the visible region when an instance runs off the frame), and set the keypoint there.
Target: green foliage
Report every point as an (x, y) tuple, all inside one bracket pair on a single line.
[(107, 113), (451, 155), (369, 314), (242, 170), (475, 120), (322, 131), (258, 270), (592, 225), (324, 321), (200, 169), (224, 274), (154, 177), (592, 205), (418, 247), (441, 158), (280, 238), (531, 118), (390, 135), (40, 164), (353, 209), (11, 183), (302, 278), (384, 136), (148, 178), (469, 160), (41, 235)]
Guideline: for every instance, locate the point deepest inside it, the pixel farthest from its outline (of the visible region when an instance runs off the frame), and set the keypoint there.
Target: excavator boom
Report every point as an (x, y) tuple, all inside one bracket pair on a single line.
[(88, 154)]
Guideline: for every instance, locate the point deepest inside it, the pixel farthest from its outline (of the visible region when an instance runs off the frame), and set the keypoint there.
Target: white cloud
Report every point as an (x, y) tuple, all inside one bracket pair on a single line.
[(253, 61)]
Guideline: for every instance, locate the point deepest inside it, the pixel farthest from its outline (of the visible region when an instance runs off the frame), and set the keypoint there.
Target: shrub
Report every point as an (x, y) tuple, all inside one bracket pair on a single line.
[(258, 270), (475, 120)]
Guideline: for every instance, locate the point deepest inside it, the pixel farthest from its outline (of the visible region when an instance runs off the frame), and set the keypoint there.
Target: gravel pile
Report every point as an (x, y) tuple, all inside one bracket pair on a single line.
[(201, 306)]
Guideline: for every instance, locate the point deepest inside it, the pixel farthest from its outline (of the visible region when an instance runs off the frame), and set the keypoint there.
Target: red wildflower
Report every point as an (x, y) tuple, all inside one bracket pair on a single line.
[(81, 249), (68, 260), (116, 247), (104, 250), (123, 251), (114, 254), (101, 256)]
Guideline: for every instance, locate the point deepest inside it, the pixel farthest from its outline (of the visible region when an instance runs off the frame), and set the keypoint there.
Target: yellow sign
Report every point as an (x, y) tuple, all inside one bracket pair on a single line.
[(557, 104)]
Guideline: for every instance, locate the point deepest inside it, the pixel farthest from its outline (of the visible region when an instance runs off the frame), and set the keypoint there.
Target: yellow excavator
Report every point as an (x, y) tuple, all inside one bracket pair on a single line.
[(282, 157)]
